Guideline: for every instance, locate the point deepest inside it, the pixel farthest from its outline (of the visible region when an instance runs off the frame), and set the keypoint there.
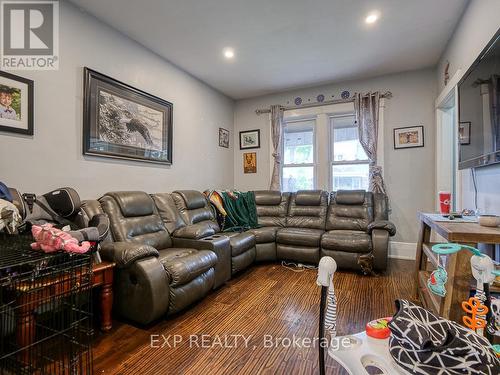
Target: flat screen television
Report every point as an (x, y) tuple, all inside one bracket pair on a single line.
[(479, 109)]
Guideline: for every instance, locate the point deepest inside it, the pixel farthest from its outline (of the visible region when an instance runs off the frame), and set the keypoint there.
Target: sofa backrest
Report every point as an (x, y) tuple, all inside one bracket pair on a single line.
[(307, 209), (194, 208), (168, 211), (133, 218), (350, 210), (272, 207)]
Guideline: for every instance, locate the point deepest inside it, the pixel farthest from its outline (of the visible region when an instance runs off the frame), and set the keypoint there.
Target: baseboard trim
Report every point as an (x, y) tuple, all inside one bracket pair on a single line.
[(402, 250)]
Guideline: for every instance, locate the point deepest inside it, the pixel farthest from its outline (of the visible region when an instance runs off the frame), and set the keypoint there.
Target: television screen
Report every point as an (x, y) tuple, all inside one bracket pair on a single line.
[(479, 111)]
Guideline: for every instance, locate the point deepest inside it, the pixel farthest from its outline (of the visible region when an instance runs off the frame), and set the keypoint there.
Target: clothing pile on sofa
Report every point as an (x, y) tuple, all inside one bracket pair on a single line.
[(236, 210)]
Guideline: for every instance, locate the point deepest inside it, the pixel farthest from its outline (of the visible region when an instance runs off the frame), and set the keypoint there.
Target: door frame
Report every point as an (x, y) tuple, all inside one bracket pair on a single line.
[(448, 94)]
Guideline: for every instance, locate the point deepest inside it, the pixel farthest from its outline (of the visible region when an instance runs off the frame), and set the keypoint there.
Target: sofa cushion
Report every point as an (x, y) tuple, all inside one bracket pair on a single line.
[(184, 265), (133, 203), (267, 197), (193, 199), (307, 209), (308, 197), (264, 234), (351, 241), (240, 242), (196, 231), (299, 236), (350, 197), (350, 216)]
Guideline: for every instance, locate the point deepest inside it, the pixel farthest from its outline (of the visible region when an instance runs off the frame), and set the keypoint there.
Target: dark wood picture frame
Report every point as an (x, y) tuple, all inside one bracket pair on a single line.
[(223, 138), (118, 92), (242, 133), (30, 105), (462, 125), (398, 146)]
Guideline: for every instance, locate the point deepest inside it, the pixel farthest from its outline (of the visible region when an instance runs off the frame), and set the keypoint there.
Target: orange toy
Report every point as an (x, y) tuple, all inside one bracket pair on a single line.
[(474, 307)]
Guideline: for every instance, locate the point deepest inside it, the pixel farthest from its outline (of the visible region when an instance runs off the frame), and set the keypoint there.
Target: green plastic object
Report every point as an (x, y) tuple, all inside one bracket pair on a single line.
[(451, 248)]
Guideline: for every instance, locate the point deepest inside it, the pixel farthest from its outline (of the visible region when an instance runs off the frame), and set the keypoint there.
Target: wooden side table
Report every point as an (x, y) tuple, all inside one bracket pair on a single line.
[(457, 265), (102, 276)]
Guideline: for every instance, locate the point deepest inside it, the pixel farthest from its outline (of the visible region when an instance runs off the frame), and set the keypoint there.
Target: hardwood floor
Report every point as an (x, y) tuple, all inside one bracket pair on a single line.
[(265, 300)]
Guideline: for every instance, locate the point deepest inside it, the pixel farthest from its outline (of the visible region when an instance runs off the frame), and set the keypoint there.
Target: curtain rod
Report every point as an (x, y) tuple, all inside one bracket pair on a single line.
[(386, 95)]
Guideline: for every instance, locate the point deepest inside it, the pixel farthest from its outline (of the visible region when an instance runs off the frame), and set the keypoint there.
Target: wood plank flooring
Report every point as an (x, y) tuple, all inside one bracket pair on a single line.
[(265, 300)]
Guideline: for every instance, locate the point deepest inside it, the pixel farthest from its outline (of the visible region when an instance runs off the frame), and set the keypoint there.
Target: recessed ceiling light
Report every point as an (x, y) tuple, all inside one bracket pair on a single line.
[(228, 53), (372, 18)]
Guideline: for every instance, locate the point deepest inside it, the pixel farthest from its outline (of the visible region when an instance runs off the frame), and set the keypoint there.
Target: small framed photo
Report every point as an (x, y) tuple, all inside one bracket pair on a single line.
[(250, 162), (250, 139), (409, 137), (464, 133), (223, 138), (16, 104)]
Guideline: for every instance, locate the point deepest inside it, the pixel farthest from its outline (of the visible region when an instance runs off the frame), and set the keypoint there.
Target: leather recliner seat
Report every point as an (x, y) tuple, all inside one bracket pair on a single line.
[(194, 226), (153, 277), (305, 224), (199, 223), (357, 229), (272, 208)]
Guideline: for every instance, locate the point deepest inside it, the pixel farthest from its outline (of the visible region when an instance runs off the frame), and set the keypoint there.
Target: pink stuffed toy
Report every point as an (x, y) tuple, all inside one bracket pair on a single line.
[(51, 239)]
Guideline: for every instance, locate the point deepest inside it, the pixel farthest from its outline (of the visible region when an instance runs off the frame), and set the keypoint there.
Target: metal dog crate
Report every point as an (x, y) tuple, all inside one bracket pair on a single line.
[(45, 310)]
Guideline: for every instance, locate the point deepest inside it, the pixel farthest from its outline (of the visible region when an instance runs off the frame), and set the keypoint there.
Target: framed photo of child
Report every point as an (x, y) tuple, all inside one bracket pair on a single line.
[(16, 104)]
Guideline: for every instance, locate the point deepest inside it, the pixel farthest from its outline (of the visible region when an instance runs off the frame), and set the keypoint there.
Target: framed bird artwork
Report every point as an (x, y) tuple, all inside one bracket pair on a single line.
[(120, 121)]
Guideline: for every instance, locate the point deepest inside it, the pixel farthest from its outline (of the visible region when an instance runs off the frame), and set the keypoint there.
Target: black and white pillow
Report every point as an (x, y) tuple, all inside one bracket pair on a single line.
[(423, 343)]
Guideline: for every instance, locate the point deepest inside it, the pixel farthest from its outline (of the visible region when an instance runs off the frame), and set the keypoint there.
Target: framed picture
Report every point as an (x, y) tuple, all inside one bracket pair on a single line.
[(464, 132), (250, 162), (409, 137), (120, 121), (16, 104), (223, 138), (250, 139)]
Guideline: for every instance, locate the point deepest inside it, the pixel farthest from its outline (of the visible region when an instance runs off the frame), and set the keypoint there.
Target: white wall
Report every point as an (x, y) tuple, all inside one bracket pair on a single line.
[(478, 25), (53, 156), (409, 173)]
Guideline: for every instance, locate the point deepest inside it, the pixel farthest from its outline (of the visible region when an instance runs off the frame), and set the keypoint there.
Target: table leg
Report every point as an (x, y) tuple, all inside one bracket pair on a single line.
[(421, 259), (106, 305)]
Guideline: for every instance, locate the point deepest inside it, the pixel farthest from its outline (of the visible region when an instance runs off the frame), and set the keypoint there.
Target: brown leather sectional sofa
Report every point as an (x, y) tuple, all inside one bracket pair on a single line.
[(170, 252)]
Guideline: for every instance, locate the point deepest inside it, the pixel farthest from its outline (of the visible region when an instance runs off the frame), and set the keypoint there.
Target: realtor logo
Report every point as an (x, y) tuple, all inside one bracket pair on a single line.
[(30, 35)]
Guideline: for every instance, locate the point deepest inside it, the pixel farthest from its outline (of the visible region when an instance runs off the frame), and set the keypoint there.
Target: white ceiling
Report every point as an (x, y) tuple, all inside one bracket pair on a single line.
[(284, 44)]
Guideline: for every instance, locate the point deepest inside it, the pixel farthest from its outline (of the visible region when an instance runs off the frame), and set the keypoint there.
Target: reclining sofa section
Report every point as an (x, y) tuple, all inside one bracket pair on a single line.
[(170, 251)]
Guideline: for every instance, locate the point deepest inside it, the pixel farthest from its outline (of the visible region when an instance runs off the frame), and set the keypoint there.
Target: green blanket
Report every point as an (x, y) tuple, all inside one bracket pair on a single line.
[(241, 212)]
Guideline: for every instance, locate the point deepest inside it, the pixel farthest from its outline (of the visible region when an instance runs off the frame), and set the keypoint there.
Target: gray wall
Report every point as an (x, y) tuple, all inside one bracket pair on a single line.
[(409, 173), (478, 25), (53, 156)]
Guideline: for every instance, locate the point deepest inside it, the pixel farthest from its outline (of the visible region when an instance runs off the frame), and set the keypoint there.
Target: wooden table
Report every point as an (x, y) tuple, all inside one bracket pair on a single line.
[(457, 265), (102, 276)]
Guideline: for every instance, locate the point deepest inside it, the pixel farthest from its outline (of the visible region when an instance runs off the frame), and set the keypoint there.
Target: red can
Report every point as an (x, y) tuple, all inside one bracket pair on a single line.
[(444, 202)]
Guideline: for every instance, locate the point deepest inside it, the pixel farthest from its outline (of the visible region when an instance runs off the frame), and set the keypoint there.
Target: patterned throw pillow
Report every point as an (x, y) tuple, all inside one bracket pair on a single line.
[(423, 343)]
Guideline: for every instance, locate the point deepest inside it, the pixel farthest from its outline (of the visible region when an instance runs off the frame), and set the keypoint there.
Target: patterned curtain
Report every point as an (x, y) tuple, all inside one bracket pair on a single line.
[(276, 127), (366, 108)]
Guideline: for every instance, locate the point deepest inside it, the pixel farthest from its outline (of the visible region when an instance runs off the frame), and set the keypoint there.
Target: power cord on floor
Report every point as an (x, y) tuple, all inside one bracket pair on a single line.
[(297, 267)]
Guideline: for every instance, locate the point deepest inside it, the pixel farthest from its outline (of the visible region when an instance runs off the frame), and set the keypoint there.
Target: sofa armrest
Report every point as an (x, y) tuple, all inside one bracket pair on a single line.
[(126, 253), (380, 242), (220, 245), (383, 225), (194, 231)]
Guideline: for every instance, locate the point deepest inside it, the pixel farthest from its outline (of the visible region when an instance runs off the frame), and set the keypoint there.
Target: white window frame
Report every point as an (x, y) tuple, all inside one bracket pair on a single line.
[(331, 147), (322, 163), (291, 120)]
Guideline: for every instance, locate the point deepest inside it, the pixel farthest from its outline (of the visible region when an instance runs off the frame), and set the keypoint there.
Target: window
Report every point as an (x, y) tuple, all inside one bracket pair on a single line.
[(349, 162), (298, 155)]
